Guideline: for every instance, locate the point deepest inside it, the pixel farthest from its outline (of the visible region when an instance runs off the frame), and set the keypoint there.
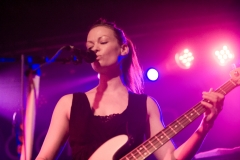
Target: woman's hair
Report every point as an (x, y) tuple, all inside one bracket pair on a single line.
[(131, 72)]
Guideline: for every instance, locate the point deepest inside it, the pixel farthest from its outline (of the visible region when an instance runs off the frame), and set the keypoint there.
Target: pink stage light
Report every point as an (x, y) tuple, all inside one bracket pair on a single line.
[(224, 56), (184, 59)]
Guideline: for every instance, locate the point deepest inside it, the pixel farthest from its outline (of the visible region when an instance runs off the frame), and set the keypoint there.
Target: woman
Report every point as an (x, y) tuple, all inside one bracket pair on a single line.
[(117, 106)]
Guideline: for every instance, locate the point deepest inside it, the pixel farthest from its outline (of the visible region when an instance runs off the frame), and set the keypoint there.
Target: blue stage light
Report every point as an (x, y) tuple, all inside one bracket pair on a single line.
[(152, 74)]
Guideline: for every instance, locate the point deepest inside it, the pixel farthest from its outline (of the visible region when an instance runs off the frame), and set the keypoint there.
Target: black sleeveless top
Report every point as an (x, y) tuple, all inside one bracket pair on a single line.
[(88, 132)]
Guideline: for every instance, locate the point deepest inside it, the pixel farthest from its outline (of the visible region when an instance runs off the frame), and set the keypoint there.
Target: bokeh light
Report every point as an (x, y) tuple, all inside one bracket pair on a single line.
[(223, 56), (152, 74), (184, 59)]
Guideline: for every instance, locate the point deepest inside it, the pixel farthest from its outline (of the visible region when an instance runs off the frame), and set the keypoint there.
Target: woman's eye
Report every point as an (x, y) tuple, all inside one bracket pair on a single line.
[(89, 48), (103, 42)]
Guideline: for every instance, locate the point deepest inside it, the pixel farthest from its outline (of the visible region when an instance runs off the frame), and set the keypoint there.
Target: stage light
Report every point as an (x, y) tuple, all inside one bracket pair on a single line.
[(184, 59), (223, 56), (152, 74)]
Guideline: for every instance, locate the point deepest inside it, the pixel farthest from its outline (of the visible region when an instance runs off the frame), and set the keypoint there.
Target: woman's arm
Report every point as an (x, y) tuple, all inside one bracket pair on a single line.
[(155, 126), (188, 149), (214, 105), (58, 130)]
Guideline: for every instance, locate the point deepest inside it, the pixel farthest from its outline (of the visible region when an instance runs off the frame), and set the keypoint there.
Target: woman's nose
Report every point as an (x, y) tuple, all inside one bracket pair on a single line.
[(95, 48)]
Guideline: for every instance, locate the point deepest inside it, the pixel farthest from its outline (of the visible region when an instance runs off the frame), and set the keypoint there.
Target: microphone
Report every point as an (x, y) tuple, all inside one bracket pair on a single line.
[(78, 55), (88, 55)]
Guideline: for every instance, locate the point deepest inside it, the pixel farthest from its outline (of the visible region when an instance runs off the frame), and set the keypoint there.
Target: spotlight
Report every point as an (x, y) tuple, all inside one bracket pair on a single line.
[(152, 74), (223, 56), (184, 59)]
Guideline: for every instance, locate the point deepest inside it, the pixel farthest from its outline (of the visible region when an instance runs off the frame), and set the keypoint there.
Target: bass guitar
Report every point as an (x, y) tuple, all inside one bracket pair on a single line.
[(109, 149)]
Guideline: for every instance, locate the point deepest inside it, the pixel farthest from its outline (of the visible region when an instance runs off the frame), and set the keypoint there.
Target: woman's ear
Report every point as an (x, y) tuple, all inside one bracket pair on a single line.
[(124, 49)]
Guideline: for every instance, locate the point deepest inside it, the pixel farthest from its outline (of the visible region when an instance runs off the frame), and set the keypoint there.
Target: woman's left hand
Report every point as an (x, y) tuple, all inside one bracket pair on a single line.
[(213, 102)]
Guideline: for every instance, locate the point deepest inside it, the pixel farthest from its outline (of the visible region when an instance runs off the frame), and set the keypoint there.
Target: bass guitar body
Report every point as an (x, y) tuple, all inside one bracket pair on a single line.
[(108, 150)]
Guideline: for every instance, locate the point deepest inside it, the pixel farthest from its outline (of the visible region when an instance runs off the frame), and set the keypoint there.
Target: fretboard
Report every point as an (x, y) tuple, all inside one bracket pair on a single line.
[(152, 144)]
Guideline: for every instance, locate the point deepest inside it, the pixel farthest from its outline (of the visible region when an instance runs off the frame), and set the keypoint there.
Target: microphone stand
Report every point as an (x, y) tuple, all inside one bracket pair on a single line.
[(33, 74), (29, 116)]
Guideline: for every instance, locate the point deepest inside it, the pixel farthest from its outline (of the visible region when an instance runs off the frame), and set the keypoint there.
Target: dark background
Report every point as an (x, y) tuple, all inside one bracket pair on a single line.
[(159, 29)]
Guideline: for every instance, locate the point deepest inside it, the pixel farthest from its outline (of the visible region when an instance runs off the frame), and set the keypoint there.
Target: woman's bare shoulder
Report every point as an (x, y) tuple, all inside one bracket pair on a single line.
[(152, 105), (64, 104), (66, 98)]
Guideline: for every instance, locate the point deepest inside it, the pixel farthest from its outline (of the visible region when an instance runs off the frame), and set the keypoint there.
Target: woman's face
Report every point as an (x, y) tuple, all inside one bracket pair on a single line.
[(103, 42)]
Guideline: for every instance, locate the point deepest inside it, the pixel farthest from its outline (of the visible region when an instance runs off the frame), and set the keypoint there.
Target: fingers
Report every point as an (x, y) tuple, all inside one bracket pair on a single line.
[(211, 111), (212, 96), (213, 102)]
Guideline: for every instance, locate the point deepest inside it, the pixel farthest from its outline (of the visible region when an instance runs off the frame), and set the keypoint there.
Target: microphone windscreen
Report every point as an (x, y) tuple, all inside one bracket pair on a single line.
[(90, 56)]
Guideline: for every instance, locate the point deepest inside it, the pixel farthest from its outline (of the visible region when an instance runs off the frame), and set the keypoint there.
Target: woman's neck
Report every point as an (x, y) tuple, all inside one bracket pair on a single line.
[(110, 83)]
